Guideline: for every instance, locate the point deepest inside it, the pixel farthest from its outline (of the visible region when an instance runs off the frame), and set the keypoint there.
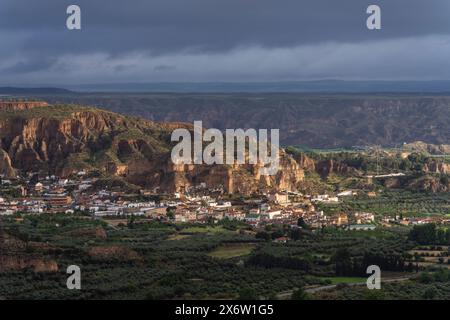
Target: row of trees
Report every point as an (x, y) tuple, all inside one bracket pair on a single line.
[(348, 265), (429, 234), (271, 261)]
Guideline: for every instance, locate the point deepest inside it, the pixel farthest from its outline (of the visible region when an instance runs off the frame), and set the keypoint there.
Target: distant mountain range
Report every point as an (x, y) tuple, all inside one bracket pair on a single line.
[(316, 121), (319, 86), (32, 91), (322, 86)]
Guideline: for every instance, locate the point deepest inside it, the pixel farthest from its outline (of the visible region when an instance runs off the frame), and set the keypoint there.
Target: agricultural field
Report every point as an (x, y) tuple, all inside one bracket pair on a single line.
[(431, 256), (338, 280), (141, 259), (232, 251), (395, 202)]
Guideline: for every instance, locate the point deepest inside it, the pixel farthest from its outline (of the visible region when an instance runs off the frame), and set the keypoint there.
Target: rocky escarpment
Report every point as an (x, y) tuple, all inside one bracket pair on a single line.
[(437, 167), (327, 167), (6, 168), (324, 167), (160, 172), (241, 179), (305, 162), (66, 139), (38, 143), (21, 105), (427, 148)]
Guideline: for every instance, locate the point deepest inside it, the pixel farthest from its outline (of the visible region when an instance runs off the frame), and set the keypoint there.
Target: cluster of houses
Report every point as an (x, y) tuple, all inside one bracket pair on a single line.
[(55, 195), (50, 196), (411, 221)]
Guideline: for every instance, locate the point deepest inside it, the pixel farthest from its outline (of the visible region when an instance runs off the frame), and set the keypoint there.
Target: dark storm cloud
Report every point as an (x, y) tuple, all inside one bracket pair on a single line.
[(30, 65), (118, 36)]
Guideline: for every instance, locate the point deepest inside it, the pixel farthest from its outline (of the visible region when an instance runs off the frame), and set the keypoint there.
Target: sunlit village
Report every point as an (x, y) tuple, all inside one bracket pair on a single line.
[(198, 205)]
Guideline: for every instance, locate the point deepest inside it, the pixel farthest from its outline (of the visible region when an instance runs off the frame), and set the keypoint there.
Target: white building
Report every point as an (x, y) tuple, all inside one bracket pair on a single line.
[(275, 214), (106, 213), (347, 193)]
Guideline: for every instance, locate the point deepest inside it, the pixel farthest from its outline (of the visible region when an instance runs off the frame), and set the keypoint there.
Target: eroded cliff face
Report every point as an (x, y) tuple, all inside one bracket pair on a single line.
[(241, 179), (305, 162), (327, 167), (21, 105), (429, 184), (437, 167), (423, 147), (66, 139), (162, 173), (46, 142), (6, 168)]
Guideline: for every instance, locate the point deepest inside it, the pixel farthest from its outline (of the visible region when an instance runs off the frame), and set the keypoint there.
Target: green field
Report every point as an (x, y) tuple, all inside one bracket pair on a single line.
[(232, 251), (208, 229), (338, 280)]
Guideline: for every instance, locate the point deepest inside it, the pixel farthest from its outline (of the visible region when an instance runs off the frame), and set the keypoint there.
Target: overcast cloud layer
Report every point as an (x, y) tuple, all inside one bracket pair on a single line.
[(222, 40)]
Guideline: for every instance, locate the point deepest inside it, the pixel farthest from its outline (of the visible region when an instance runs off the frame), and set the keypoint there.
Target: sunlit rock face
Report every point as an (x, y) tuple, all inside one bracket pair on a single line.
[(63, 140)]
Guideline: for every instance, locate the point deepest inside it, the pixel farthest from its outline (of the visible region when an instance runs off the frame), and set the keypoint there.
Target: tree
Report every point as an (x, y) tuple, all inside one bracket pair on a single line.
[(263, 235), (424, 234), (248, 294), (296, 234), (131, 221), (425, 277), (277, 234), (170, 214), (374, 295), (300, 294), (343, 262), (429, 294), (301, 223)]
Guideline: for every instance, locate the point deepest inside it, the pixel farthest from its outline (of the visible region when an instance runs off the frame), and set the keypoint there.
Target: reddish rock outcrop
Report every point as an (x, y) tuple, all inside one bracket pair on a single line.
[(66, 139), (305, 162), (327, 167), (6, 168), (437, 167), (21, 105)]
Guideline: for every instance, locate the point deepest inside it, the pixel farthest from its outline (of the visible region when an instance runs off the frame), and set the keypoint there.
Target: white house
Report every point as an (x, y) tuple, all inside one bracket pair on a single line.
[(275, 214), (347, 193)]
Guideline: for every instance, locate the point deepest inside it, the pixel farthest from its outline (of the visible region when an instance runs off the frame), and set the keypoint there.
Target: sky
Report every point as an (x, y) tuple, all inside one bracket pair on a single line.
[(222, 41)]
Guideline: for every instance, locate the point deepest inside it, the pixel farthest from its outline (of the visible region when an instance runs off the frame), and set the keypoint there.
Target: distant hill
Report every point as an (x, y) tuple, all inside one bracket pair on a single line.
[(32, 91), (316, 121)]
